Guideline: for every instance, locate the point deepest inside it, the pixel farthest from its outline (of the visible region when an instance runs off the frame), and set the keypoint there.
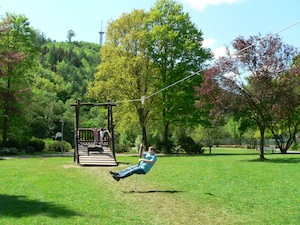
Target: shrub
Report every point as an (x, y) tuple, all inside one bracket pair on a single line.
[(11, 143), (37, 144), (295, 146), (8, 151), (138, 141), (167, 148), (190, 146), (29, 150), (122, 148), (55, 146)]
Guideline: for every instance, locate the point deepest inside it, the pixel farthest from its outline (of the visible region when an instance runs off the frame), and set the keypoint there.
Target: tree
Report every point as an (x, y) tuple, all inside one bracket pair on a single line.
[(18, 51), (208, 136), (124, 71), (236, 127), (70, 35), (174, 44), (285, 121), (249, 82)]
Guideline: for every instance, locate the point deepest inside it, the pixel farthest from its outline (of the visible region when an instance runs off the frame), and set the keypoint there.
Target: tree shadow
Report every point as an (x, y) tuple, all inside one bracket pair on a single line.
[(277, 160), (152, 191), (230, 154), (284, 160), (20, 206)]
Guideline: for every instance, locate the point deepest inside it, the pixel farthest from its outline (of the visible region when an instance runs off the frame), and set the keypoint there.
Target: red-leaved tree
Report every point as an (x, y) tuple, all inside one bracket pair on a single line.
[(254, 82), (18, 51)]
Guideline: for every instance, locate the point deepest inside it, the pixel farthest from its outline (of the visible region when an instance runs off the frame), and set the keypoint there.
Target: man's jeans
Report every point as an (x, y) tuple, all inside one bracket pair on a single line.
[(131, 170)]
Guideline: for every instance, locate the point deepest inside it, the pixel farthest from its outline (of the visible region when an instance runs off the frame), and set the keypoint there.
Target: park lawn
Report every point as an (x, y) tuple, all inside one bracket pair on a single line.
[(227, 187)]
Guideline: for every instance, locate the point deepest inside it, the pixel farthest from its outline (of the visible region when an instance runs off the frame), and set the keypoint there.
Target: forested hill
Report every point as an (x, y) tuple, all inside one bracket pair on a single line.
[(42, 87), (64, 71), (69, 66)]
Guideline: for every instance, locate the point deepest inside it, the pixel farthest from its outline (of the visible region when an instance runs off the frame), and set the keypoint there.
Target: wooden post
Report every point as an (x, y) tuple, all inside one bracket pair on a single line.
[(76, 131), (111, 127)]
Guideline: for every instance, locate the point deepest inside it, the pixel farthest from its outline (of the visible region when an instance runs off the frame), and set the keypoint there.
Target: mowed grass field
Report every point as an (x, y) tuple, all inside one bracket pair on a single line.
[(227, 187)]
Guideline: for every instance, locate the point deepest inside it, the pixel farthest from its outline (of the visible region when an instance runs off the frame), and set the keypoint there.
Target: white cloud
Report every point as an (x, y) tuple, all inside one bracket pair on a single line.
[(219, 51), (201, 4), (208, 42)]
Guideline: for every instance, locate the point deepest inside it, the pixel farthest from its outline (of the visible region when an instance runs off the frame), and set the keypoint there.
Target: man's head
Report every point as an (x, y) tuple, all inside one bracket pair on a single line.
[(151, 150)]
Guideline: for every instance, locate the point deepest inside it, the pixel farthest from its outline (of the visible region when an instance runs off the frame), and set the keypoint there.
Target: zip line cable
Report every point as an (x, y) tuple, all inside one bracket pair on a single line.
[(125, 101), (173, 84), (278, 32), (142, 99)]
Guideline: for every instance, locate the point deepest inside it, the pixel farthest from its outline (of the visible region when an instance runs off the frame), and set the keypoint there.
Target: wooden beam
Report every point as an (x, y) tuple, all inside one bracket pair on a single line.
[(95, 104)]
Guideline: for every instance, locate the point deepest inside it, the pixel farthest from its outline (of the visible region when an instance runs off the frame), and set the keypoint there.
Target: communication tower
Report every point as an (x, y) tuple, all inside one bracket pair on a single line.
[(101, 35)]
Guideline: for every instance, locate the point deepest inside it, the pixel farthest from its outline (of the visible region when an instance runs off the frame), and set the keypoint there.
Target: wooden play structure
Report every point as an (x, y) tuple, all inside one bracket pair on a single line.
[(94, 146)]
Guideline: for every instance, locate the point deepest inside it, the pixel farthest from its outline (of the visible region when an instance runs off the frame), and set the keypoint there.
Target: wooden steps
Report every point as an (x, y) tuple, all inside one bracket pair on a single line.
[(94, 157)]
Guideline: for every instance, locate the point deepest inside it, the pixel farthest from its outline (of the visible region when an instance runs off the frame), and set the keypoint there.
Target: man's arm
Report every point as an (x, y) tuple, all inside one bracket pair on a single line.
[(149, 161)]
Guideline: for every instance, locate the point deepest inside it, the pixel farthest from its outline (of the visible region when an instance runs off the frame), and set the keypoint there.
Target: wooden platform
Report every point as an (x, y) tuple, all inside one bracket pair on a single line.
[(95, 155)]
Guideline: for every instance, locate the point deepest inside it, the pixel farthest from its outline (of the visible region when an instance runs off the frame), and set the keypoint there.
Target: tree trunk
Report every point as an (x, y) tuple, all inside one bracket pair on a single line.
[(5, 125), (5, 114), (262, 143), (144, 132), (166, 128), (145, 142), (166, 137)]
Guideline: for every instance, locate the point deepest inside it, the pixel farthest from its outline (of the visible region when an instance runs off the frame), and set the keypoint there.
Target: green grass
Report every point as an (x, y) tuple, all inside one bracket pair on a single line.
[(228, 187)]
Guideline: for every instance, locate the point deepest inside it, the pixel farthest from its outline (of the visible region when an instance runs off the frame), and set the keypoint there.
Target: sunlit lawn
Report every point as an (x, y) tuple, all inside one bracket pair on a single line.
[(228, 187)]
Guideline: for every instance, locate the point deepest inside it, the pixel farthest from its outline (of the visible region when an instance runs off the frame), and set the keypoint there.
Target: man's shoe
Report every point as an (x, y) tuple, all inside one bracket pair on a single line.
[(116, 177), (113, 173)]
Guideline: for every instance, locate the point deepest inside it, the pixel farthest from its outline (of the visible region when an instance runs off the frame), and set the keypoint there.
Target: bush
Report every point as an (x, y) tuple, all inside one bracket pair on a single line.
[(29, 150), (8, 151), (138, 141), (11, 143), (167, 148), (190, 146), (37, 144), (122, 148), (55, 146), (295, 146)]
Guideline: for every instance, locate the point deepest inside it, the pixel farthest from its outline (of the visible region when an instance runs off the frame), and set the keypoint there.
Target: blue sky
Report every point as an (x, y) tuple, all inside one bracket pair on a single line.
[(221, 21)]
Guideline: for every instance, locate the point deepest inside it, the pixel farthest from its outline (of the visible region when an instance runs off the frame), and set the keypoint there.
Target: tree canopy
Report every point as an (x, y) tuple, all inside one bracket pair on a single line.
[(18, 50), (256, 76), (145, 52)]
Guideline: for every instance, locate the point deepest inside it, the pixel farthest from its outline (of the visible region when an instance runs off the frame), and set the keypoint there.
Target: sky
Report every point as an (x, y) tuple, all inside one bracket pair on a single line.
[(221, 21)]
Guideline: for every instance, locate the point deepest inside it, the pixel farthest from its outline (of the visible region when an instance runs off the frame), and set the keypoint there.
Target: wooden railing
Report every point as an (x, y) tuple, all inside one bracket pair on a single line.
[(85, 135), (89, 135)]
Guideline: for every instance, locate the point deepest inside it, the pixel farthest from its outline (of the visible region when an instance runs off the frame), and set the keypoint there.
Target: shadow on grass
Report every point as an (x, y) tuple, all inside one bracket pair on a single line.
[(125, 163), (277, 160), (19, 206), (208, 193), (284, 160), (230, 154), (193, 155), (153, 191)]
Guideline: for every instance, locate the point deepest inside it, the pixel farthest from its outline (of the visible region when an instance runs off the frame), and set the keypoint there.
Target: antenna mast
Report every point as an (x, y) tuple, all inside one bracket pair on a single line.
[(101, 35)]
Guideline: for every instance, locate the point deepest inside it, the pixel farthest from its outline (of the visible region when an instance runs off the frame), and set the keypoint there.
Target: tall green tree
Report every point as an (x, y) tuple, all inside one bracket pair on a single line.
[(174, 44), (18, 47), (124, 71), (70, 35)]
